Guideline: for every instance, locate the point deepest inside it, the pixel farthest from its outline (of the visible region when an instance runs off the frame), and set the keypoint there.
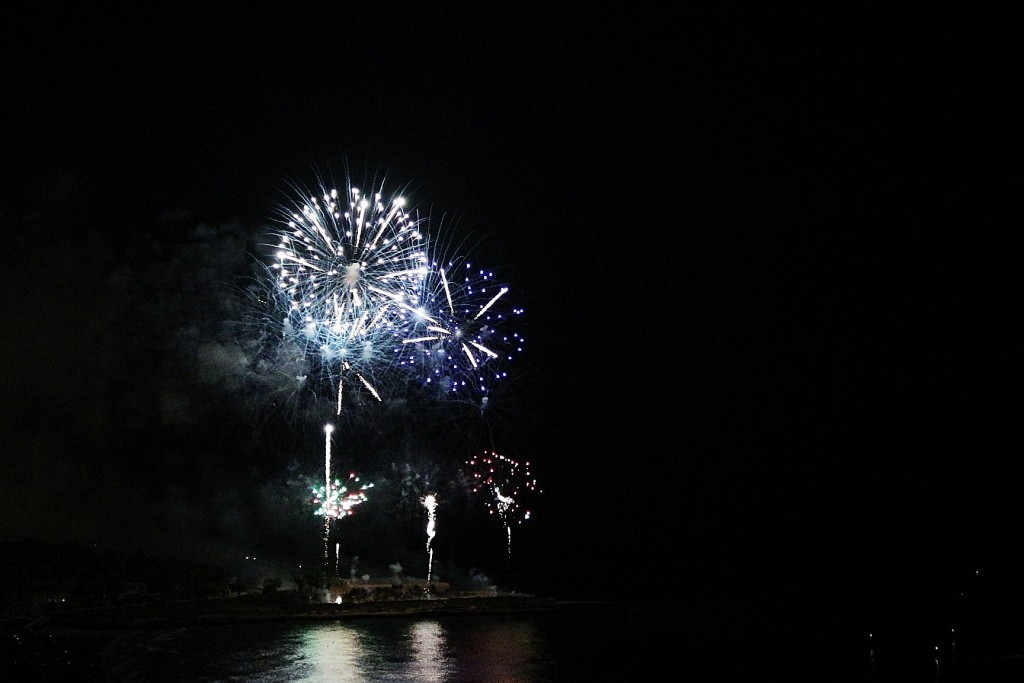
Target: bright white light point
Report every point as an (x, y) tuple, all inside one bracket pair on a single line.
[(328, 428), (399, 201)]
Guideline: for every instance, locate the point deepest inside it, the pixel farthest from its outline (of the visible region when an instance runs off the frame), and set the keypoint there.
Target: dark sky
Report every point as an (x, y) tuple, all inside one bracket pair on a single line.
[(763, 266)]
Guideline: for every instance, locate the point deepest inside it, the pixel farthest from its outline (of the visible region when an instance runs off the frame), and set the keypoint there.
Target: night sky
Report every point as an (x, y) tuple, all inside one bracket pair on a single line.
[(765, 269)]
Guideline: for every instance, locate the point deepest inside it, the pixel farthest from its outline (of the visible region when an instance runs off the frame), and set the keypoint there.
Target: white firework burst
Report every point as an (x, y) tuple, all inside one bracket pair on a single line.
[(350, 270)]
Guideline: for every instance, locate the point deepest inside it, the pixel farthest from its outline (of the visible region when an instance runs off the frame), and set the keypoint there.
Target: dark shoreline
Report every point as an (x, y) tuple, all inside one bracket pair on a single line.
[(271, 608)]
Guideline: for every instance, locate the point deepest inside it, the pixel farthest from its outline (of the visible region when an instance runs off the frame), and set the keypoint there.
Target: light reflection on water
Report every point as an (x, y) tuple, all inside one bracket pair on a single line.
[(329, 652), (425, 650), (355, 653), (430, 660)]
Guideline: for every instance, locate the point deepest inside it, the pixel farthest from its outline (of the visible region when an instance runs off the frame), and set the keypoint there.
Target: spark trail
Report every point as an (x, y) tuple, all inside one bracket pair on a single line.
[(430, 503)]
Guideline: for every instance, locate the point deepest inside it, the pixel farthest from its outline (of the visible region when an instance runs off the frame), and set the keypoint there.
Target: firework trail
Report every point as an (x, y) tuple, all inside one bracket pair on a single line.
[(430, 503), (328, 430), (335, 501), (507, 482), (460, 343), (349, 270)]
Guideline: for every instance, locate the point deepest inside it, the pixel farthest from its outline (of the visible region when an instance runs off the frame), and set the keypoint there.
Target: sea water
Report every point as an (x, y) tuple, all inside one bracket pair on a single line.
[(543, 647)]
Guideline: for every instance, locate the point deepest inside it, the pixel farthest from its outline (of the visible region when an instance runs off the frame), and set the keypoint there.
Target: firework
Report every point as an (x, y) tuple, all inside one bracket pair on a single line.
[(460, 345), (461, 341), (349, 270), (507, 482), (335, 501), (430, 503)]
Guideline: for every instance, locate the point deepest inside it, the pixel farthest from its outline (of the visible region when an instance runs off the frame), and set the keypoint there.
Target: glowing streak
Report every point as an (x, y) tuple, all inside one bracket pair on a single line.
[(301, 261), (490, 303), (469, 355), (328, 428), (504, 503), (369, 386), (483, 348), (447, 291), (403, 273), (386, 222), (361, 213), (430, 503), (312, 218)]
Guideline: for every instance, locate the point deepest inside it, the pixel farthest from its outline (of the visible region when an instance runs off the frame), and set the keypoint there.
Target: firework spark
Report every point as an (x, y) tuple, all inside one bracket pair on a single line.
[(507, 482), (430, 503), (336, 501), (328, 430)]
